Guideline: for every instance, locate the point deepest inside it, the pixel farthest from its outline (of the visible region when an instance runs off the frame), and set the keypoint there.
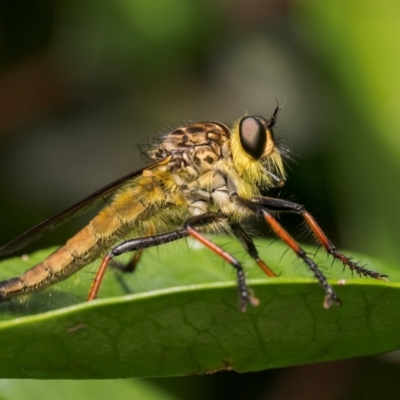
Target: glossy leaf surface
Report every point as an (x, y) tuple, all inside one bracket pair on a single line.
[(183, 318)]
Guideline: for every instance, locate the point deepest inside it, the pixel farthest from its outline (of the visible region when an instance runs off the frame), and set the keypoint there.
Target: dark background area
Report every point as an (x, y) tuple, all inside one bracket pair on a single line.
[(82, 84)]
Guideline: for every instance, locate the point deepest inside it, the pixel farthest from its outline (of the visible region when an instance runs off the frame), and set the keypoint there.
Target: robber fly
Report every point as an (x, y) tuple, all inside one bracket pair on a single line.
[(204, 178)]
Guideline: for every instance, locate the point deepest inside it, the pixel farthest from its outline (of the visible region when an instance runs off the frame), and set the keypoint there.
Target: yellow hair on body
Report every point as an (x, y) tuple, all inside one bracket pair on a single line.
[(251, 172)]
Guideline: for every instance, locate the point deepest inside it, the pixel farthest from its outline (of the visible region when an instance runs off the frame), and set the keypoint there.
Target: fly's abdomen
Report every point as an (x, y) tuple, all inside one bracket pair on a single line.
[(126, 212), (79, 251)]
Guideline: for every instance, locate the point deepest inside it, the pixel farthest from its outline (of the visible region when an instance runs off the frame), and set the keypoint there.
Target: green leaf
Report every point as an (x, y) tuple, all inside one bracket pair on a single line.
[(80, 390), (183, 318)]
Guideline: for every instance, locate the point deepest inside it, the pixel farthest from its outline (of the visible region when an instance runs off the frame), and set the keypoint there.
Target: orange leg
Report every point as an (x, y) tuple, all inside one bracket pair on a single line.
[(280, 205), (138, 244), (331, 296), (188, 230), (249, 246), (94, 290), (262, 204), (331, 249), (245, 296)]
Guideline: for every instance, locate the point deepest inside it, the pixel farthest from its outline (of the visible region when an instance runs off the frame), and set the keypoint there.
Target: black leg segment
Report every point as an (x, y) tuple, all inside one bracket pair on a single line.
[(189, 229)]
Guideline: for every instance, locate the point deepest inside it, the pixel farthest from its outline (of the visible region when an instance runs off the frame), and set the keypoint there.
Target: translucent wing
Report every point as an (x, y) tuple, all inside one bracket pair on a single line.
[(90, 202)]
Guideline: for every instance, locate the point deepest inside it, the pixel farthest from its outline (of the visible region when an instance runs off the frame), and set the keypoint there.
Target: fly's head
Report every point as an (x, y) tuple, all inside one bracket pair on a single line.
[(255, 156)]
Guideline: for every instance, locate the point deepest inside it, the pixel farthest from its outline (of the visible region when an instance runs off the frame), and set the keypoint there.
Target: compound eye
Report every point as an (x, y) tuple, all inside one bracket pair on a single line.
[(253, 136)]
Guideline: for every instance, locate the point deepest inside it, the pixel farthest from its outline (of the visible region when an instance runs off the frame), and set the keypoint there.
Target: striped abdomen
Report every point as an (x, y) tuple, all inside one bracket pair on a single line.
[(83, 248)]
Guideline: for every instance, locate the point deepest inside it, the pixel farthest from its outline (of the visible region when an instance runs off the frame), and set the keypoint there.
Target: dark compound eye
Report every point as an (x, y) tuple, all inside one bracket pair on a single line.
[(253, 136)]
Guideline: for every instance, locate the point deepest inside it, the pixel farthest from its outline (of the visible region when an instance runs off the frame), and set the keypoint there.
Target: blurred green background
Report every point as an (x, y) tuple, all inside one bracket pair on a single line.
[(83, 83)]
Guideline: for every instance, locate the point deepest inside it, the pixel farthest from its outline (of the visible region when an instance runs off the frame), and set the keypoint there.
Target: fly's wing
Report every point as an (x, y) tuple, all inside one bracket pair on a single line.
[(96, 199)]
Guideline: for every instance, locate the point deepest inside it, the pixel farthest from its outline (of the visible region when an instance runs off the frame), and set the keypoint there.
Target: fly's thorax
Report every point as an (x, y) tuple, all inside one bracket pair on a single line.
[(193, 150), (204, 157), (194, 166), (191, 135), (195, 176)]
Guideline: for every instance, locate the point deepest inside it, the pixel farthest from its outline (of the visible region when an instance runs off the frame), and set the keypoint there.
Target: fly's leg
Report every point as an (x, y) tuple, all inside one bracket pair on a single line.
[(287, 206), (127, 268), (245, 296), (137, 244), (130, 266), (250, 248), (121, 269), (189, 229), (331, 296)]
